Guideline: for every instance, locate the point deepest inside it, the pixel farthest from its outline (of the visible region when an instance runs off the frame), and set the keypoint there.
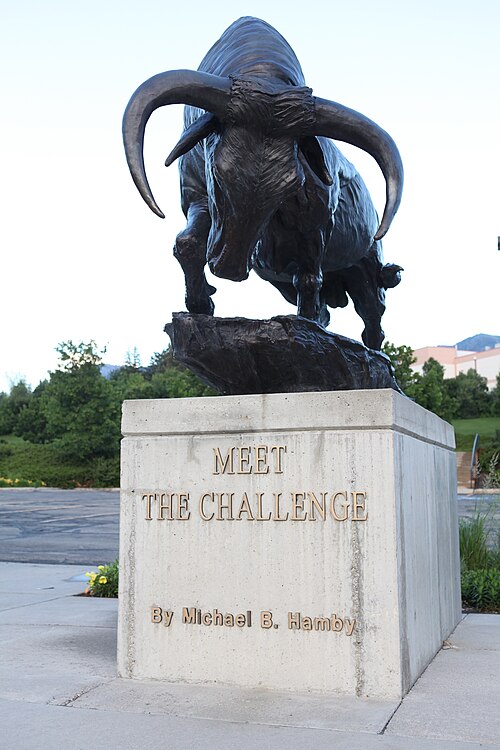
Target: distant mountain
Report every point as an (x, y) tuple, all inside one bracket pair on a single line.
[(478, 343), (108, 370)]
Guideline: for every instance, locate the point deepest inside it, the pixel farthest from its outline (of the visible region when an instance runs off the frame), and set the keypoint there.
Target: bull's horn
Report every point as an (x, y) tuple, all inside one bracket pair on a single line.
[(196, 132), (198, 89), (341, 123)]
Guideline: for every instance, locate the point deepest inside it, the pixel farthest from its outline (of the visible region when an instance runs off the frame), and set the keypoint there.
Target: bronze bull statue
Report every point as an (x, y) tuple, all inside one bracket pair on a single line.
[(263, 187)]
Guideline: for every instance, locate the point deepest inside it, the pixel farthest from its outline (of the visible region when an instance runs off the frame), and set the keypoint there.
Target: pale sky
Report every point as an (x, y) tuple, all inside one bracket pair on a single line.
[(84, 258)]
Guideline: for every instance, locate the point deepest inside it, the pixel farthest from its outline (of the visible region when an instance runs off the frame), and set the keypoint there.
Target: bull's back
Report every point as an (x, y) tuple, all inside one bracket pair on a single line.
[(248, 47), (252, 47)]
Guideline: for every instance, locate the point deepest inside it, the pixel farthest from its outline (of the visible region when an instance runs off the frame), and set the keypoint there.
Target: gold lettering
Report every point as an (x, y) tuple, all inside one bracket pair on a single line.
[(156, 614), (319, 505), (345, 506), (210, 496), (321, 623), (229, 620), (240, 620), (226, 465), (148, 499), (279, 451), (218, 619), (227, 506), (206, 618), (261, 460), (182, 505), (245, 508), (164, 505), (189, 615), (294, 621), (349, 626), (298, 505), (276, 517), (337, 623), (307, 623), (361, 505), (244, 460), (168, 618), (259, 508), (266, 619)]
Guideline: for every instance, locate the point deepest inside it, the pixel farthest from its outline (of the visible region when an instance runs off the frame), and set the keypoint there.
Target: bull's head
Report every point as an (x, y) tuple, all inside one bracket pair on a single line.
[(255, 129)]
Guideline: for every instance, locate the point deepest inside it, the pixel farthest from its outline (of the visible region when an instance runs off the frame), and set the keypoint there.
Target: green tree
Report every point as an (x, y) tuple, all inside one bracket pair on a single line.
[(129, 383), (495, 399), (11, 406), (82, 414), (402, 359), (32, 422), (470, 391), (170, 379), (430, 391)]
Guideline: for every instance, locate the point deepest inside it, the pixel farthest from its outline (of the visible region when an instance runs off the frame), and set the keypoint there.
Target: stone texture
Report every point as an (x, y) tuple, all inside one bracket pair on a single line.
[(283, 355), (396, 574)]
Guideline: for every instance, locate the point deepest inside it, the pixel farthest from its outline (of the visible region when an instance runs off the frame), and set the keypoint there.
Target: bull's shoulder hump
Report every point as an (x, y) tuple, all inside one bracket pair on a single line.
[(248, 45)]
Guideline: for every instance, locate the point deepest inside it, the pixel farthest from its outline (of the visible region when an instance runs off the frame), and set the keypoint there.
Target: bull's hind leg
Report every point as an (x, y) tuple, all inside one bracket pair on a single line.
[(363, 285), (190, 250)]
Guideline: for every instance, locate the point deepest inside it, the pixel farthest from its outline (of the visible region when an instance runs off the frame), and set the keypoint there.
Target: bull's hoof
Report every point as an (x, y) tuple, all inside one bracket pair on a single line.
[(202, 305), (282, 355)]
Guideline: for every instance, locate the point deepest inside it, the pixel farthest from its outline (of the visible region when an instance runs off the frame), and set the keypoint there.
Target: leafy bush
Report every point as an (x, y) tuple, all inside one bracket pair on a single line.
[(481, 589), (104, 582), (480, 563), (5, 450), (473, 538), (19, 482), (43, 464)]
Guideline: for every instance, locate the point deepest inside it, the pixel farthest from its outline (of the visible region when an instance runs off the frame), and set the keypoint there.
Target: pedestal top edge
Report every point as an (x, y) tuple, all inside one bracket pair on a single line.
[(278, 412)]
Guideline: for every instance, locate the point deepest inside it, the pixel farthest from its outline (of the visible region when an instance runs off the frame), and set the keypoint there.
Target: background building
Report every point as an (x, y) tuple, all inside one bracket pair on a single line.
[(484, 357)]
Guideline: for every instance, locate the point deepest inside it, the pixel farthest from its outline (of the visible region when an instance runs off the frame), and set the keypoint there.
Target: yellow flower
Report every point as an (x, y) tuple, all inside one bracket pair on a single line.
[(103, 579), (100, 567)]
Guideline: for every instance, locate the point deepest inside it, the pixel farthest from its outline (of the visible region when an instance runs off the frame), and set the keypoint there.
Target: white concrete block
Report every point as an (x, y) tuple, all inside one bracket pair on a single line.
[(343, 512)]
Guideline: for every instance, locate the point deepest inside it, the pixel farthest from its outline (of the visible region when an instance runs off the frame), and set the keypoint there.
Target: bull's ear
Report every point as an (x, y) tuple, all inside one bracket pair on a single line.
[(200, 129), (313, 154)]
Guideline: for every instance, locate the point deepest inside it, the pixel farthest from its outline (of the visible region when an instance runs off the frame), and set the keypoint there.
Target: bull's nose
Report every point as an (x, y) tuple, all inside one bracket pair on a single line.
[(228, 264)]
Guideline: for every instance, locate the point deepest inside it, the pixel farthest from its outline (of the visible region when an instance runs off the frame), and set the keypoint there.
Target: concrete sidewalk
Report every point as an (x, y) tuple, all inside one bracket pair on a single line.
[(58, 688)]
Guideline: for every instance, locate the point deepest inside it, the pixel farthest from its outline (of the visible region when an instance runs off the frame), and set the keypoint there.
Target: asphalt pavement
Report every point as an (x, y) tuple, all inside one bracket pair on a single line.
[(48, 525)]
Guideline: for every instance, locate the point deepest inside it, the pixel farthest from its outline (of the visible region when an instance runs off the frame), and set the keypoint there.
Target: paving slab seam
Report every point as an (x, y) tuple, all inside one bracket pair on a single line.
[(235, 722), (36, 604), (391, 717), (67, 703)]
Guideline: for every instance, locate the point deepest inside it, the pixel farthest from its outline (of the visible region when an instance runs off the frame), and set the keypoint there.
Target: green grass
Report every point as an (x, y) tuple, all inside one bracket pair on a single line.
[(480, 562), (40, 464), (466, 429)]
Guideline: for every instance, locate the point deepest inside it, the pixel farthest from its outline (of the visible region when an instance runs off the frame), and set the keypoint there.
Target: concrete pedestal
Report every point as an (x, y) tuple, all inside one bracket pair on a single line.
[(301, 541)]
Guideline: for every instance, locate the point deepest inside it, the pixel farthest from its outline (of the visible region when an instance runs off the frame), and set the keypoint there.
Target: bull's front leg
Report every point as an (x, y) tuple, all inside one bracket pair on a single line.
[(308, 280), (190, 250)]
